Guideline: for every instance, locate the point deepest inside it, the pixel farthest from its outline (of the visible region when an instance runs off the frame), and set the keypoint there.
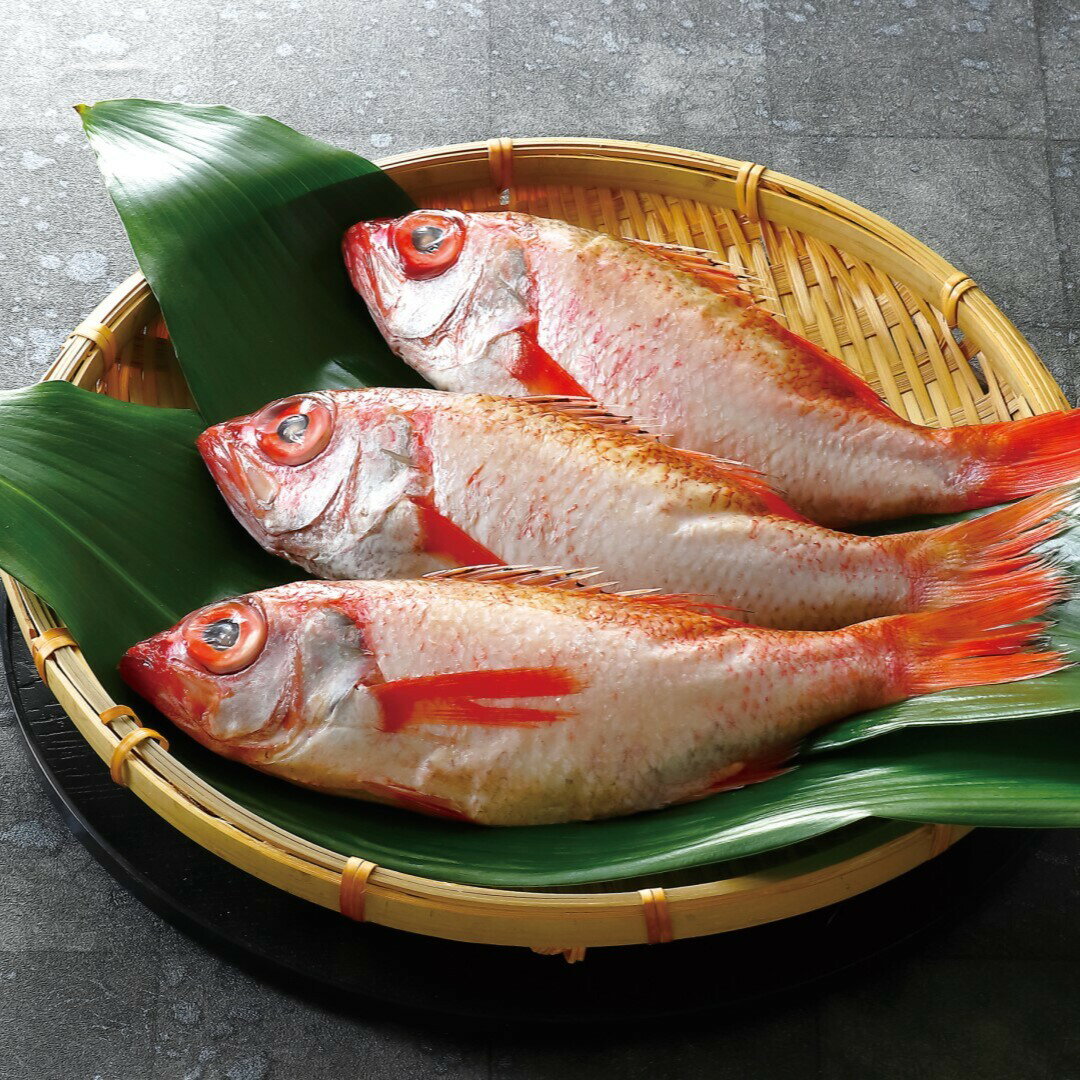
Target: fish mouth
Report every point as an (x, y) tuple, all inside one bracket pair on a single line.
[(360, 247), (235, 475), (182, 694)]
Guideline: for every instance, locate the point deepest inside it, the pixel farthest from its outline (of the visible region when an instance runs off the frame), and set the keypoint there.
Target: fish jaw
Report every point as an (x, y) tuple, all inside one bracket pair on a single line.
[(154, 670), (247, 489)]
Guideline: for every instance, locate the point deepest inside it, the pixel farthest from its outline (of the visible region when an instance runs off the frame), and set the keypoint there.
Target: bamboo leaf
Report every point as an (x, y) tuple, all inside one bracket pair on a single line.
[(113, 519), (236, 221)]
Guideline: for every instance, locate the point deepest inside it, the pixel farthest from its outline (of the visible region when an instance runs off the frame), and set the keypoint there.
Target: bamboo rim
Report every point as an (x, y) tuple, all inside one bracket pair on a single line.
[(829, 268)]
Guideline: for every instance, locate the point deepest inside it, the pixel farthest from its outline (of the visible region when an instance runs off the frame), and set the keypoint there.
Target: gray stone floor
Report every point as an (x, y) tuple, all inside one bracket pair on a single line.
[(957, 119)]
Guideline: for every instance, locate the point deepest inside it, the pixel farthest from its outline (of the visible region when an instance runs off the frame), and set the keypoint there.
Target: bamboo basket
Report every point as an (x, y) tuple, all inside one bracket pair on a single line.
[(918, 330)]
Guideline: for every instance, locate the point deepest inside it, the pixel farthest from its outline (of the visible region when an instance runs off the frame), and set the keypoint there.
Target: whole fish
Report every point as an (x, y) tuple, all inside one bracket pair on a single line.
[(401, 482), (515, 704), (506, 303)]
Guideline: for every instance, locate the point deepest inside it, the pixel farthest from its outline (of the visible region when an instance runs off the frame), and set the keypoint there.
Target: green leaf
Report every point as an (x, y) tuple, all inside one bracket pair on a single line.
[(109, 514), (236, 221)]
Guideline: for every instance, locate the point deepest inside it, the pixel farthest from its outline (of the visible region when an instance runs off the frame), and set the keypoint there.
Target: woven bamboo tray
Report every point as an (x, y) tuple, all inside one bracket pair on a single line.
[(921, 333)]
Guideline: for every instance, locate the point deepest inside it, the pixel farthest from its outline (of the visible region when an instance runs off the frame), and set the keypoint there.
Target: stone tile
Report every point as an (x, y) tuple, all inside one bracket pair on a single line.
[(982, 1019), (1065, 181), (215, 1022), (982, 204), (1058, 349), (78, 1015), (1059, 33), (62, 247), (55, 55), (875, 67), (777, 1039), (364, 67), (626, 69)]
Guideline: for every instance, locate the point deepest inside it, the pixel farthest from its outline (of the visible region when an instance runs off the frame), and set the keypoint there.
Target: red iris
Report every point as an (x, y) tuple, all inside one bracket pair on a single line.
[(226, 637), (294, 430), (428, 242)]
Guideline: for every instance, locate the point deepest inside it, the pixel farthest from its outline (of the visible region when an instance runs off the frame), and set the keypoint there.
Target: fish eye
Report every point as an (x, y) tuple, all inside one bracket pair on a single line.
[(225, 638), (428, 242), (427, 238), (294, 431)]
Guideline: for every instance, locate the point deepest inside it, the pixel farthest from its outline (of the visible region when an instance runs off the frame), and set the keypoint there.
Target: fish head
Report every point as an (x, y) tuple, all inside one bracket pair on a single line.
[(246, 676), (281, 468), (447, 291)]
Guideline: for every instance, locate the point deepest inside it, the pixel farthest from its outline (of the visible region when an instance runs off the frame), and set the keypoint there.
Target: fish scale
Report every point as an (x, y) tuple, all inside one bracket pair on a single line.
[(414, 481), (518, 704), (523, 305)]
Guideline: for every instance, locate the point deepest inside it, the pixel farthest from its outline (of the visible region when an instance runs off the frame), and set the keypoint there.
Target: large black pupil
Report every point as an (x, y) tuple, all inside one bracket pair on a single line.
[(292, 428), (222, 635), (427, 238)]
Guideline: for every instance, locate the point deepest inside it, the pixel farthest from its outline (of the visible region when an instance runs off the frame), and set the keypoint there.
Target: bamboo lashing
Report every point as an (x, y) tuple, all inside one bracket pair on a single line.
[(836, 273), (352, 893), (952, 289), (654, 905), (117, 712), (45, 644), (124, 748), (100, 335), (746, 191), (501, 166)]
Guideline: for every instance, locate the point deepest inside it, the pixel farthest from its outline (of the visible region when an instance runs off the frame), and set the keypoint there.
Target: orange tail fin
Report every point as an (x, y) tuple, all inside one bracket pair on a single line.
[(975, 644), (1020, 457), (978, 559)]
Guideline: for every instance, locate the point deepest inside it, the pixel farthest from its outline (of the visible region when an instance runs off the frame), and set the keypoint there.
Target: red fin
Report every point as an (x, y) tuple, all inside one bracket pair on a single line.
[(553, 577), (686, 602), (579, 408), (411, 799), (976, 559), (440, 536), (833, 375), (754, 772), (451, 698), (974, 644), (702, 266), (748, 479), (539, 371), (1019, 457)]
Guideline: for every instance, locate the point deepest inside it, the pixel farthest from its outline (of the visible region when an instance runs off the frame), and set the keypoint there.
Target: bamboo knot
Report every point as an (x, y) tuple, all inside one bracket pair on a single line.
[(100, 335), (954, 287), (124, 748), (352, 894), (45, 644), (501, 167), (657, 916), (572, 954), (746, 190), (116, 712)]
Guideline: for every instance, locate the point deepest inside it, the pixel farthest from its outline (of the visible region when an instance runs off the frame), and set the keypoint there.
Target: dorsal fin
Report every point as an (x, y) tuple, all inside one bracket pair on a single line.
[(595, 412), (704, 268), (553, 577), (749, 479), (735, 473), (583, 579)]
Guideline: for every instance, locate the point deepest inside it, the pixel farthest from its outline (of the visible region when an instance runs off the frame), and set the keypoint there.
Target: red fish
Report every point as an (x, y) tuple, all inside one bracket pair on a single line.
[(511, 704), (401, 482), (506, 303)]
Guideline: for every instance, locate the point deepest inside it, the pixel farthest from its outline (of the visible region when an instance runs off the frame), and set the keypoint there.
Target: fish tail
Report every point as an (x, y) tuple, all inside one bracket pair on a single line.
[(1018, 457), (974, 644), (978, 559)]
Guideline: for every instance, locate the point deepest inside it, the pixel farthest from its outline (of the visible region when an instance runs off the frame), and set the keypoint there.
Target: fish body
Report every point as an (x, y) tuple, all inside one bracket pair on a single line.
[(511, 704), (522, 305), (403, 482)]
